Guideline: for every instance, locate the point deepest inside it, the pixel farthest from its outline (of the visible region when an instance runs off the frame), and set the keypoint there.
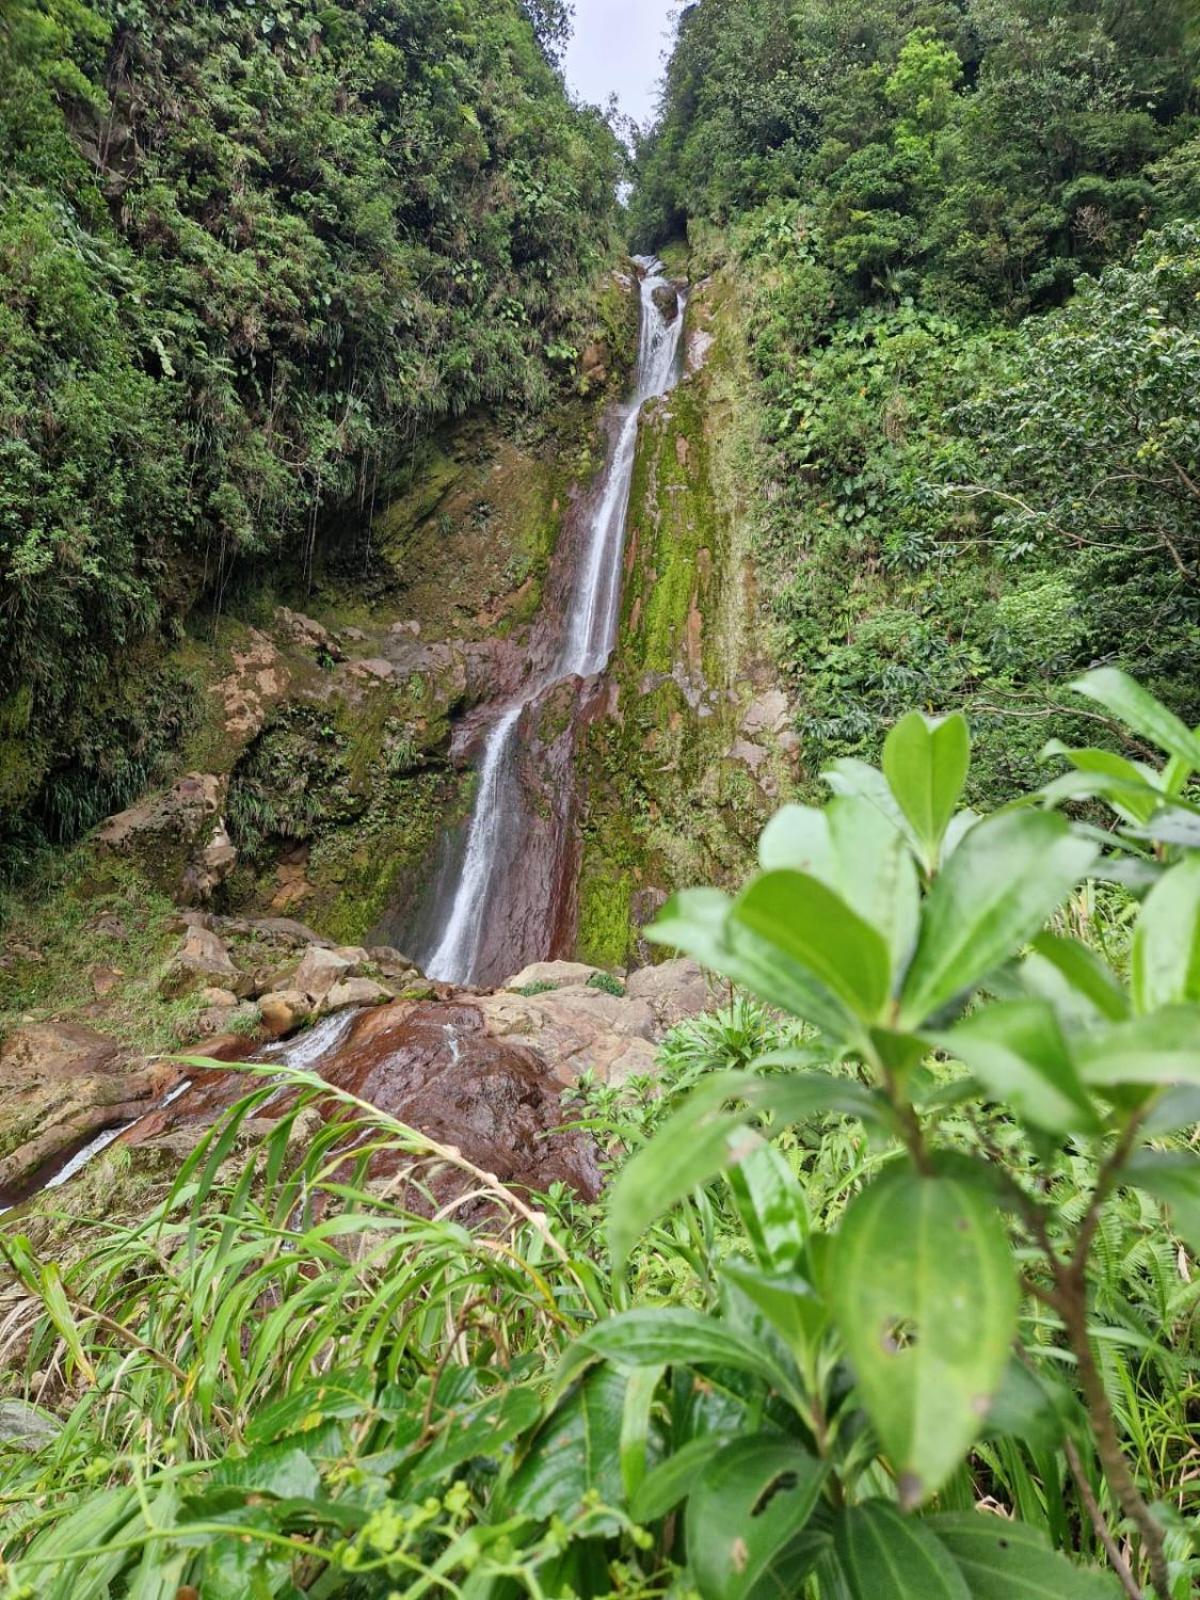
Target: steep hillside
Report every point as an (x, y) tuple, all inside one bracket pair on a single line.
[(969, 434), (250, 256)]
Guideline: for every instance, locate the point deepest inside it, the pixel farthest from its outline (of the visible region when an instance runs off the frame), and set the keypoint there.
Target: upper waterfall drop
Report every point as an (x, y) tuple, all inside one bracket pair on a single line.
[(589, 639)]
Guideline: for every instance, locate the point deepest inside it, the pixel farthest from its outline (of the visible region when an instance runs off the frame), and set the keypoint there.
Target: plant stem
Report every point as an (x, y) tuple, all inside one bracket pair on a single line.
[(1092, 1506), (1071, 1300)]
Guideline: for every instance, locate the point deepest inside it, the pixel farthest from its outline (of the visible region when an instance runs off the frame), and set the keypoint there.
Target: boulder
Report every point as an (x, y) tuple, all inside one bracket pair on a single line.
[(60, 1085), (319, 970), (170, 833), (577, 1029), (394, 966), (208, 870), (355, 992), (306, 633), (285, 1011), (666, 298), (674, 990), (202, 961), (558, 973), (104, 980)]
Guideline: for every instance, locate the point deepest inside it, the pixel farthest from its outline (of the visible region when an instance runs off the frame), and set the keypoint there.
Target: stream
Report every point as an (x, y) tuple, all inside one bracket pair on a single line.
[(502, 851)]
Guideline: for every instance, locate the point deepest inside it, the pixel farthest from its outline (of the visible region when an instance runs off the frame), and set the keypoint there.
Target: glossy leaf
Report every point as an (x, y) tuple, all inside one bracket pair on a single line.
[(669, 1336), (1008, 875), (1141, 798), (1017, 1051), (924, 1292), (576, 1451), (857, 851), (1003, 1560), (1138, 709), (883, 1553), (748, 1509), (671, 1481), (925, 764), (814, 929), (1165, 966), (698, 922), (770, 1204)]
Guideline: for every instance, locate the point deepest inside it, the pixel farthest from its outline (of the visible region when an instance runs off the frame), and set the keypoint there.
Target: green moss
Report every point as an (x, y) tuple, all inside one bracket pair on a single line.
[(605, 913), (80, 915)]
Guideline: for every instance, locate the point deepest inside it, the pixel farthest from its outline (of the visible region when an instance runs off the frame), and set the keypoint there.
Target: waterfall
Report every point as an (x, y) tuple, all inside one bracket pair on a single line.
[(590, 635)]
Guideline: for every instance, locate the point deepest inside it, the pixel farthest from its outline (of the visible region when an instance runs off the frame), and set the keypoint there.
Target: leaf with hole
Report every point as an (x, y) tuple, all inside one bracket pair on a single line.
[(746, 1517), (1003, 1560), (924, 1293)]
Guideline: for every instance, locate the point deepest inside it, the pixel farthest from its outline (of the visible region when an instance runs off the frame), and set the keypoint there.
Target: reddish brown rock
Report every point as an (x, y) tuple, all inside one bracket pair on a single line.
[(60, 1085)]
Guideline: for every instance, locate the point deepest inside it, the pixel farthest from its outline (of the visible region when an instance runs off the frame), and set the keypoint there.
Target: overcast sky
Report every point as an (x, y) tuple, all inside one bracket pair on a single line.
[(618, 48)]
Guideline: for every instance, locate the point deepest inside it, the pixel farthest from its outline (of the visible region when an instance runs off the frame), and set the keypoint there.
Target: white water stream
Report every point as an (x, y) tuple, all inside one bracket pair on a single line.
[(591, 633)]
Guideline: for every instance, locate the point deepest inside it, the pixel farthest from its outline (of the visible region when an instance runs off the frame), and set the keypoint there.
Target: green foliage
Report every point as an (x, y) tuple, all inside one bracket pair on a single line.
[(906, 1259), (247, 256)]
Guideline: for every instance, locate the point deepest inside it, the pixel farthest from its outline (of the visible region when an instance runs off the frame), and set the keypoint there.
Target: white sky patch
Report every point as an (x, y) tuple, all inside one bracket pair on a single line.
[(618, 49)]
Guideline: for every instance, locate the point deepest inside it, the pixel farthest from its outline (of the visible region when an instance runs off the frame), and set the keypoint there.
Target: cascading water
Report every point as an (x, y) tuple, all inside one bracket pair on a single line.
[(590, 635)]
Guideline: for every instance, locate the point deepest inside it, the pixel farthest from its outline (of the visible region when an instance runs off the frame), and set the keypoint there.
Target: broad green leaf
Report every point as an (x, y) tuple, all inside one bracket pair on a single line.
[(1137, 708), (1017, 1051), (698, 922), (654, 1336), (706, 1137), (876, 874), (788, 1301), (924, 1293), (925, 764), (665, 1485), (1008, 875), (814, 929), (636, 1426), (1003, 1560), (883, 1553), (1127, 796), (1076, 981), (797, 838), (1161, 1048), (851, 777), (482, 1429), (858, 852), (1138, 806), (770, 1203), (747, 1513), (1165, 967), (577, 1450), (1030, 1408), (280, 1470), (1172, 1176)]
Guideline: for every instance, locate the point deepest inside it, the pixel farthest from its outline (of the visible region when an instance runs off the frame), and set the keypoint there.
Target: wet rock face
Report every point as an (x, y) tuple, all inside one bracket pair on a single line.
[(435, 1067), (60, 1085)]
